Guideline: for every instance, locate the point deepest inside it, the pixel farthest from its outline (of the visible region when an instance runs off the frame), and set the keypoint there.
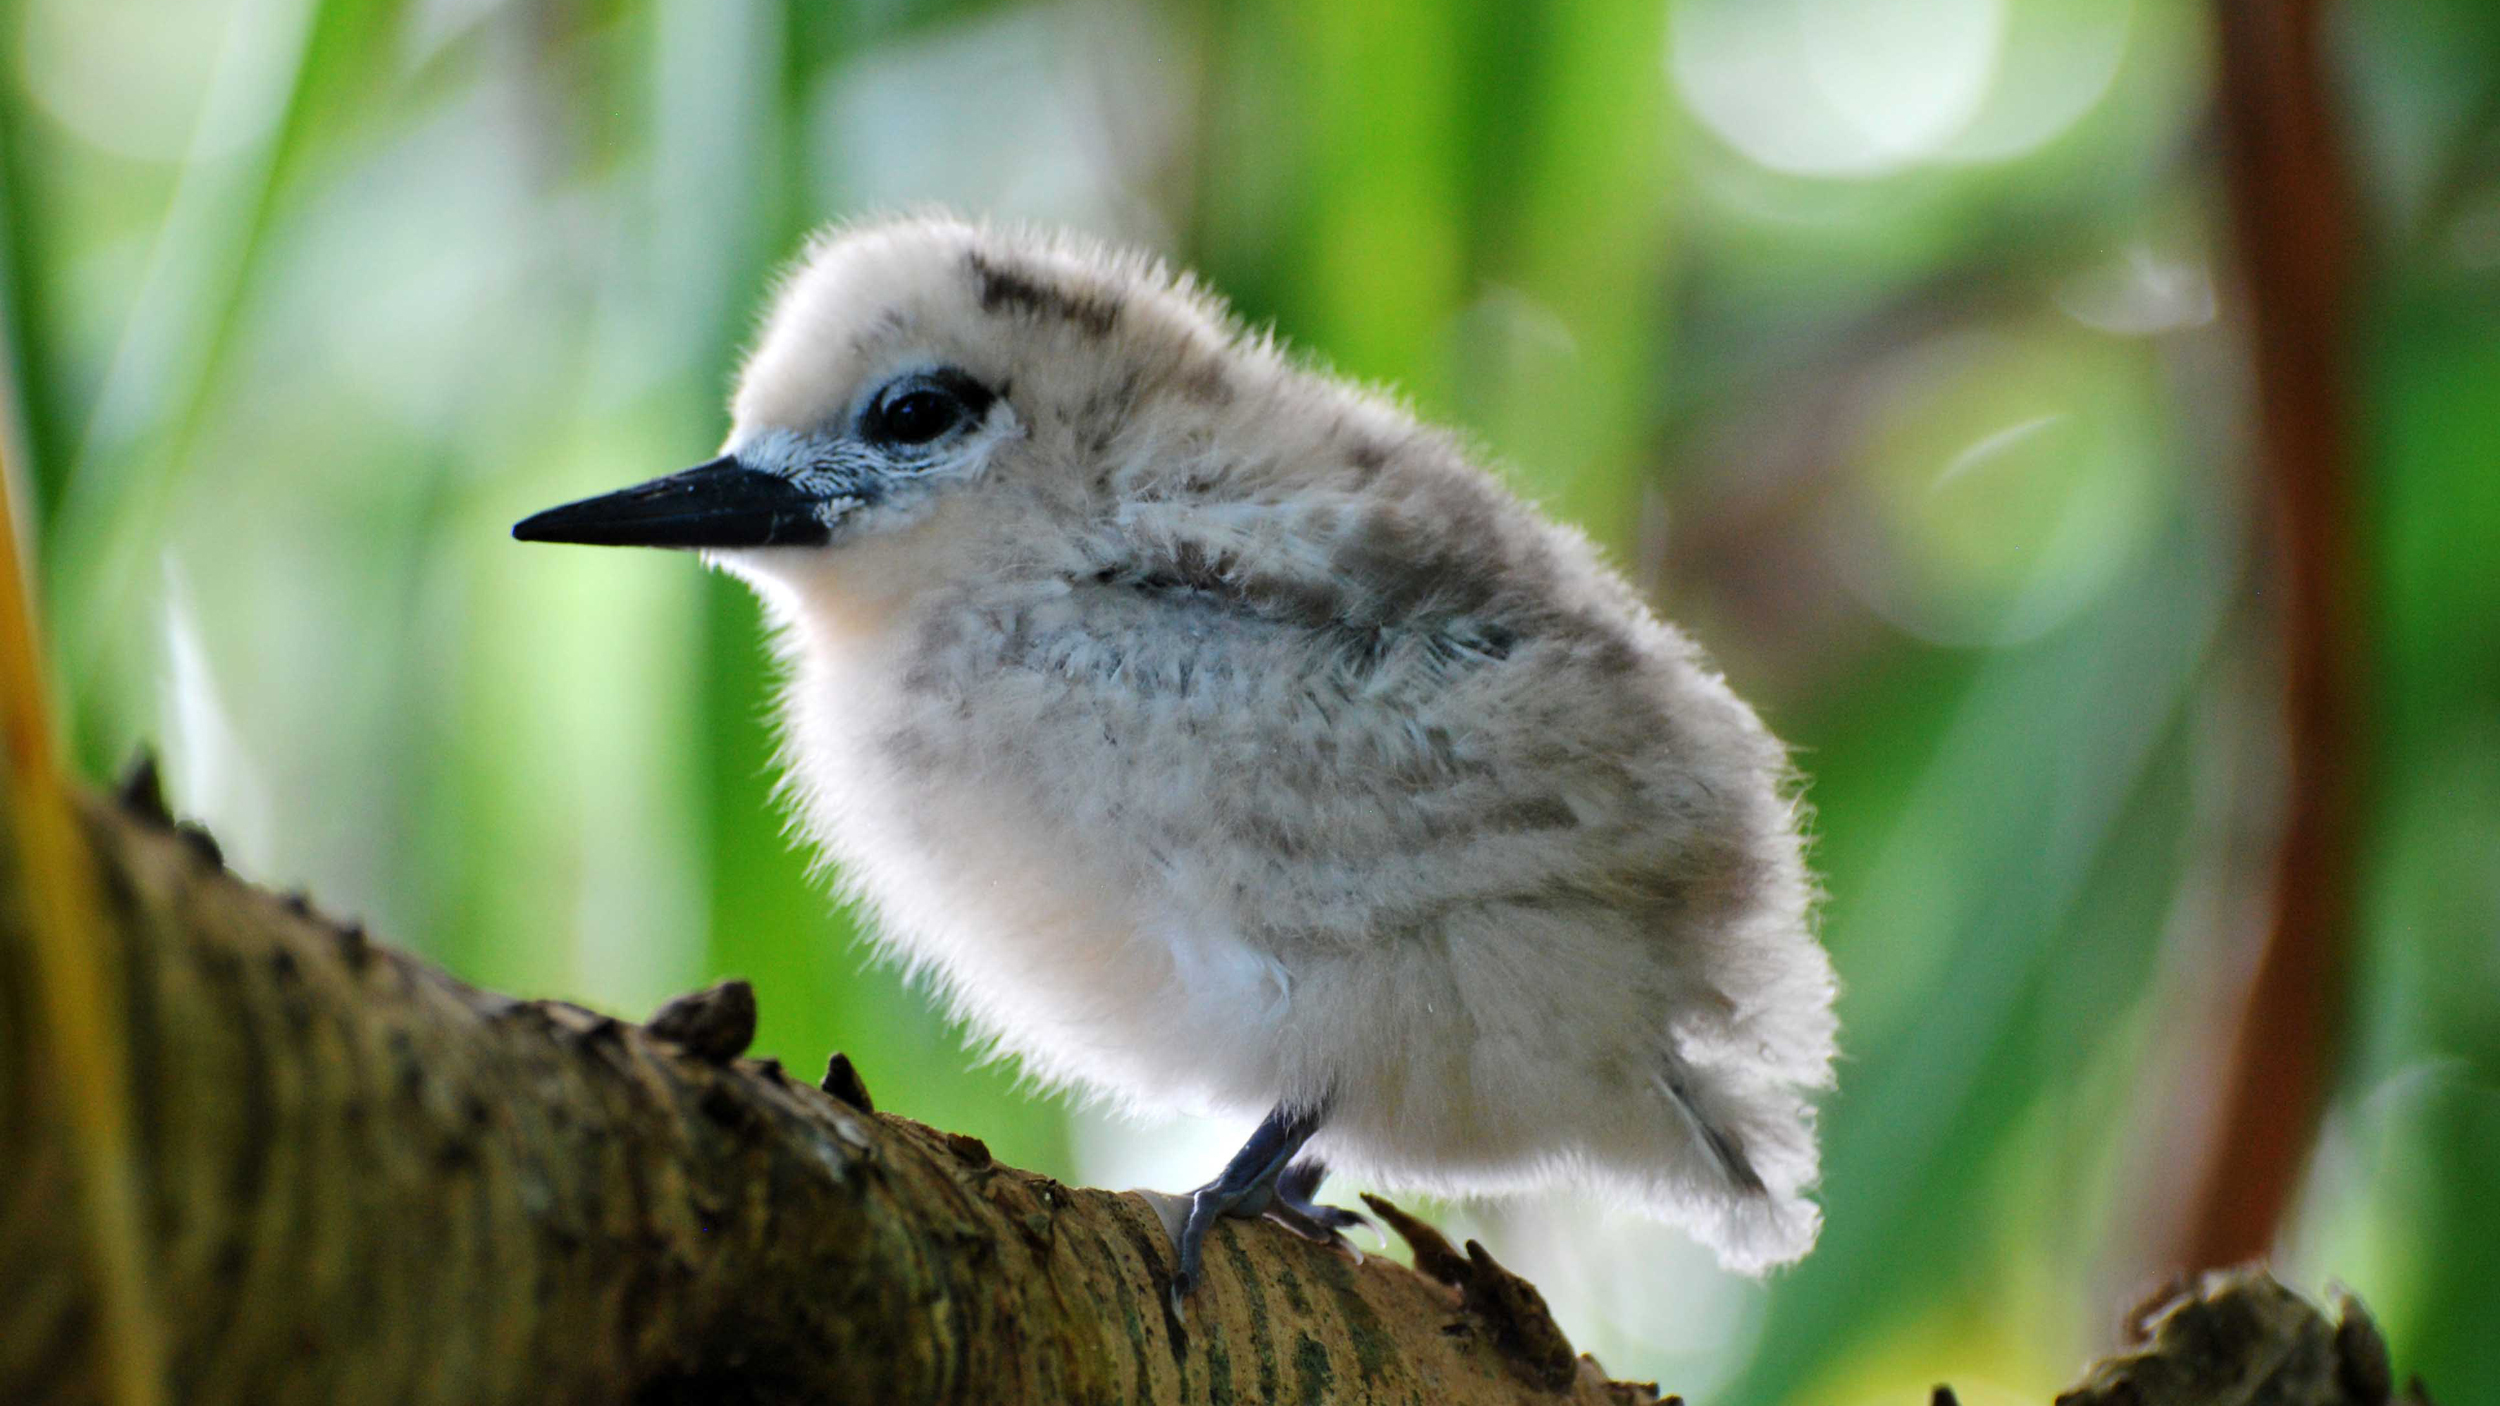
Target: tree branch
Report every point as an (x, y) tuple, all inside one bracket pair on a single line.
[(364, 1181)]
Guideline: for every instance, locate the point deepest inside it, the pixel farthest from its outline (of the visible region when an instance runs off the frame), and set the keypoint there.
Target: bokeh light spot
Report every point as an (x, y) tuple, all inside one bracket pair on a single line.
[(2003, 481), (1835, 87)]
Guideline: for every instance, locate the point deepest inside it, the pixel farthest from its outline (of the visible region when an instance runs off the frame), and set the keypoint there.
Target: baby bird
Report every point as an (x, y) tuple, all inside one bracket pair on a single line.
[(1218, 737)]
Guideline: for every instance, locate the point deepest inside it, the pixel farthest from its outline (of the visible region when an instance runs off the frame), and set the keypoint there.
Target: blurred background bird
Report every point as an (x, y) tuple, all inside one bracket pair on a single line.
[(1221, 739)]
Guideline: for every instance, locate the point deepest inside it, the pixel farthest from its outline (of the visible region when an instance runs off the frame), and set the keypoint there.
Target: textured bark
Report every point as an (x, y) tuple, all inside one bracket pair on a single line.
[(2238, 1338), (365, 1181)]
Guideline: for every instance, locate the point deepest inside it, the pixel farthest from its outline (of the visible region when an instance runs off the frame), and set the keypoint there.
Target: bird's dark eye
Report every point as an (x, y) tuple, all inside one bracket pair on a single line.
[(919, 409), (914, 417)]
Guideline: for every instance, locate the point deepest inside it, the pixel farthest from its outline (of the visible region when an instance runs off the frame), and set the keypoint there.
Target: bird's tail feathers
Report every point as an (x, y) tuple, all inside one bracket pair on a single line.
[(1714, 1138), (1745, 1197)]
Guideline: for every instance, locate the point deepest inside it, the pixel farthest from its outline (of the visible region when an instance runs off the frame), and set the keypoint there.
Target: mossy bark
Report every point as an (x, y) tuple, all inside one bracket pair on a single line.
[(366, 1181)]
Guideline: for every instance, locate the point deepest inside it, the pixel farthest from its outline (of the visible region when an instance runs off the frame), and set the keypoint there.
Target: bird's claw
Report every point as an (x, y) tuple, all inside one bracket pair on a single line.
[(1321, 1225), (1261, 1180), (1294, 1209)]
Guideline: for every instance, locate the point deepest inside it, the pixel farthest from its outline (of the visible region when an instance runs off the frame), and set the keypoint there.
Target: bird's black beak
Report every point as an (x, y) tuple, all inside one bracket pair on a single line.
[(720, 504)]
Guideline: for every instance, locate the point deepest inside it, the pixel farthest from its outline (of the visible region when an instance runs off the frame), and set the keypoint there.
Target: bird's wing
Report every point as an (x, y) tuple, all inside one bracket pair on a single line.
[(1393, 725)]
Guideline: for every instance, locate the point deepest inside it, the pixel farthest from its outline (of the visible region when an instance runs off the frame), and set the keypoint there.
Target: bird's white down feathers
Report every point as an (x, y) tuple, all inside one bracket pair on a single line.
[(1214, 734)]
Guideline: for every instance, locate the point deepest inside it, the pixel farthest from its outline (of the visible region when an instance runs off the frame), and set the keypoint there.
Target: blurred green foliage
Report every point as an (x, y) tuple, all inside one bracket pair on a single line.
[(1892, 343)]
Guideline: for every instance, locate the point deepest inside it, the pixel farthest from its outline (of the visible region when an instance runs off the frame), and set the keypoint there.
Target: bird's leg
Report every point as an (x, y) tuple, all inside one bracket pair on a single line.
[(1255, 1183)]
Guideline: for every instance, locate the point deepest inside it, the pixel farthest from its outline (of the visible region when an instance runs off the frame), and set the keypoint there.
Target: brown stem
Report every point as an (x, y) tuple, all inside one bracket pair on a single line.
[(2291, 213)]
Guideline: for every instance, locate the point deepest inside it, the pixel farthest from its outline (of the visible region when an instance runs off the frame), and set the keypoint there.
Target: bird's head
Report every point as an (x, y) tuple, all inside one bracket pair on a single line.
[(918, 383)]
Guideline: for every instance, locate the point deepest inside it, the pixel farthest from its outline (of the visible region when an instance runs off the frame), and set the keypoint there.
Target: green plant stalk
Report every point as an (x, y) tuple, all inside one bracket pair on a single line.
[(78, 997)]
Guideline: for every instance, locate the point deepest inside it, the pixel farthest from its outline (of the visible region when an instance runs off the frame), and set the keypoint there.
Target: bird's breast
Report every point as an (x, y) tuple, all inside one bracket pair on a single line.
[(1019, 838)]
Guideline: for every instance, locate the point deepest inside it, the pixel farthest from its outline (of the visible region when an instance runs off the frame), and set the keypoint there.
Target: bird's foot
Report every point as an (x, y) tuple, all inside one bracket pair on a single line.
[(1248, 1188)]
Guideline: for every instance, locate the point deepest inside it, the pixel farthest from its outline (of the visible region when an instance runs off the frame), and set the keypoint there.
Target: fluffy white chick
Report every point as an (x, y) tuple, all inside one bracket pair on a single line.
[(1216, 736)]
